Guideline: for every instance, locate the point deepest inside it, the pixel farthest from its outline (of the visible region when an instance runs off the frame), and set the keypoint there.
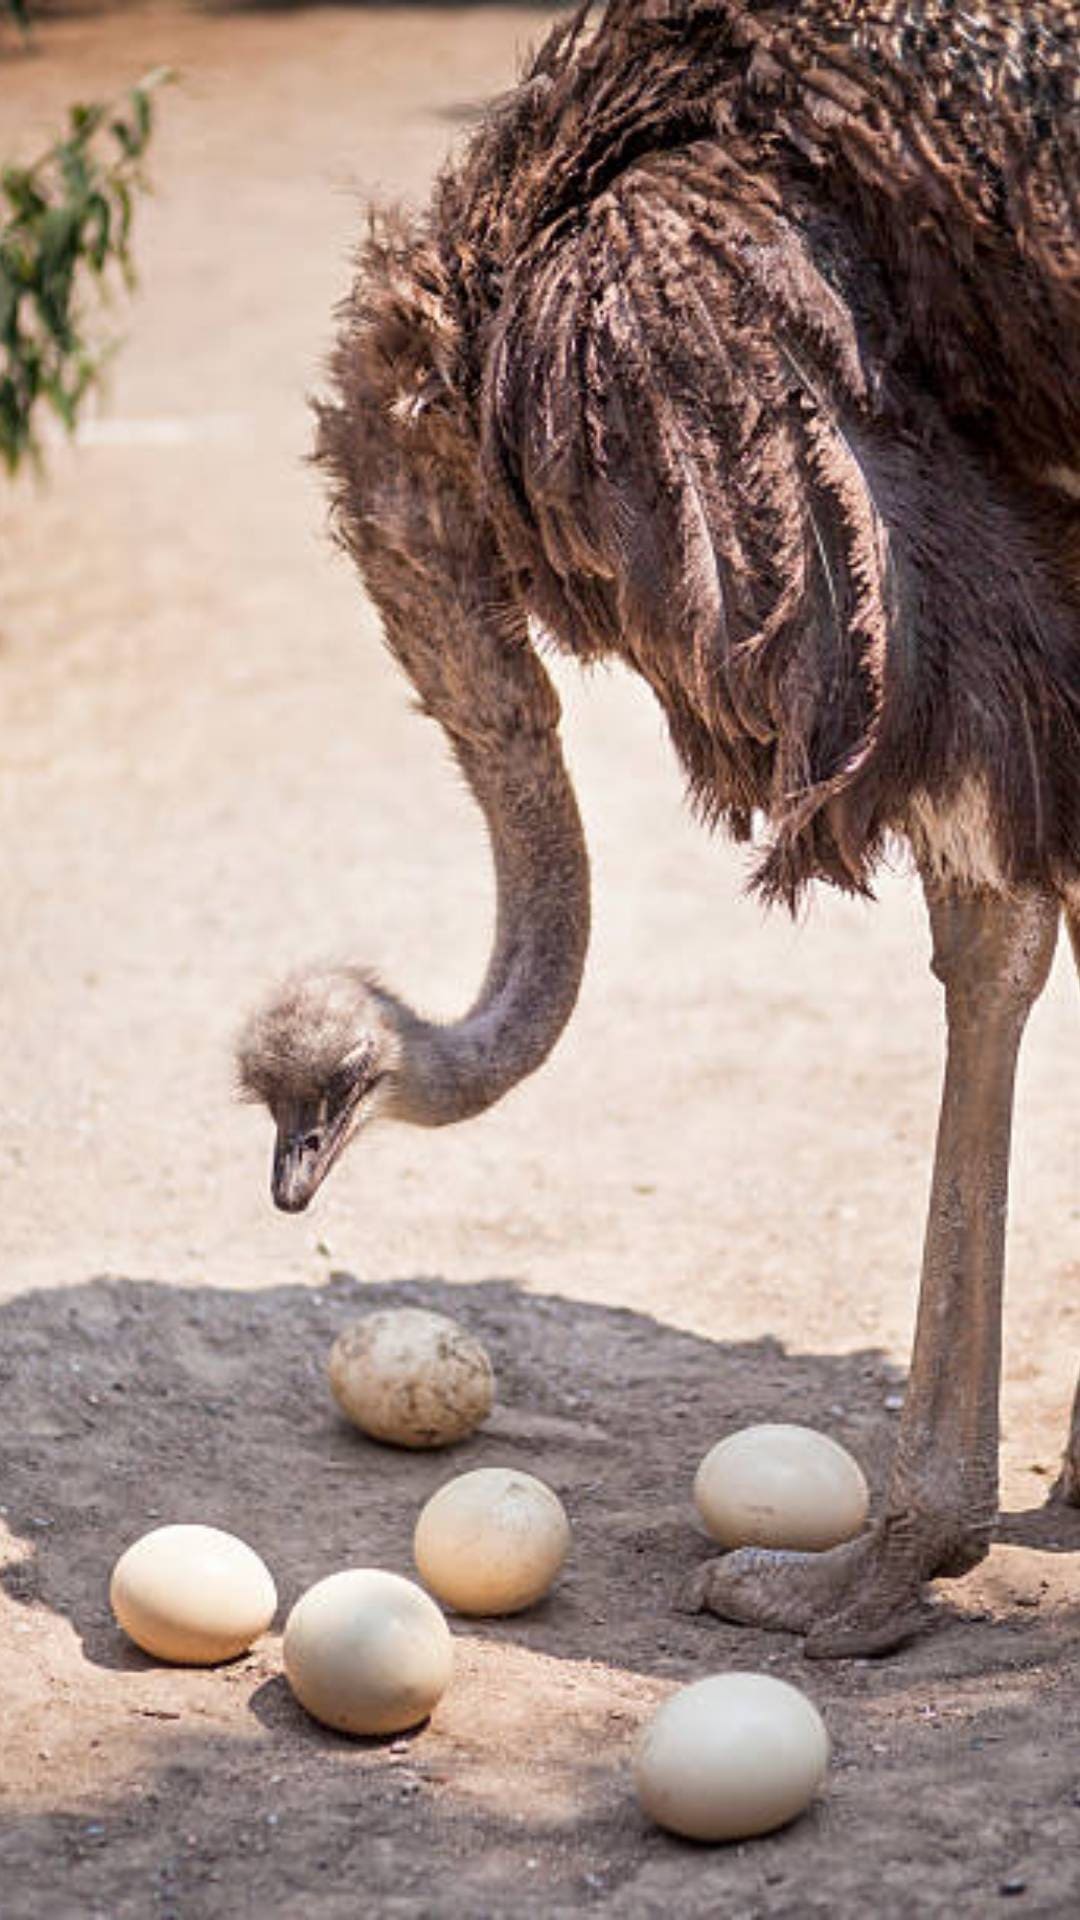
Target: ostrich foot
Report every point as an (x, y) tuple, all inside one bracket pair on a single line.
[(762, 1587), (860, 1598)]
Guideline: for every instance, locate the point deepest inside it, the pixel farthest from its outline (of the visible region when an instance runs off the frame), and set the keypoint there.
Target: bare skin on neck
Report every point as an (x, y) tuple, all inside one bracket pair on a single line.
[(450, 1073), (295, 1052)]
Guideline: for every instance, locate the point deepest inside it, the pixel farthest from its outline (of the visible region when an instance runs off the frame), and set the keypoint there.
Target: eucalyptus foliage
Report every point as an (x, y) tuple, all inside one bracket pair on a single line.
[(65, 227)]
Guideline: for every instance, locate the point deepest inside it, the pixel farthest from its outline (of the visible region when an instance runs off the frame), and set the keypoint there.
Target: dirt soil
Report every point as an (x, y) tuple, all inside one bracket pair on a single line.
[(705, 1211)]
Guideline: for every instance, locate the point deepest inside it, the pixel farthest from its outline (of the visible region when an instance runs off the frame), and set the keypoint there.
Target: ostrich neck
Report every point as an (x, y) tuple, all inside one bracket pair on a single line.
[(514, 767)]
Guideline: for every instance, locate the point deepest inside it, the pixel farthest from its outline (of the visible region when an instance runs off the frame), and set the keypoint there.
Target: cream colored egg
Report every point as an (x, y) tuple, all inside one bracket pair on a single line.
[(781, 1486), (411, 1377), (492, 1541), (193, 1595), (730, 1757), (367, 1651)]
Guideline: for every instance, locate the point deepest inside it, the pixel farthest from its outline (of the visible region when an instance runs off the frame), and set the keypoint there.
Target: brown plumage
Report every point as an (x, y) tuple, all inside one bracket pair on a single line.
[(744, 338), (743, 342)]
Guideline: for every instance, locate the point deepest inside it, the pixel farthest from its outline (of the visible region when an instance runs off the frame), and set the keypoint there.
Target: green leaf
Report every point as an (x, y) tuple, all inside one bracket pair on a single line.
[(126, 136), (144, 115), (59, 237), (75, 170), (97, 231), (85, 120), (26, 200), (9, 306), (63, 404), (121, 193)]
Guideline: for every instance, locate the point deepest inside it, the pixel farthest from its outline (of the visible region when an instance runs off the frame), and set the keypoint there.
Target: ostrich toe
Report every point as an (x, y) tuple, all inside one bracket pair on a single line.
[(760, 1587), (859, 1598)]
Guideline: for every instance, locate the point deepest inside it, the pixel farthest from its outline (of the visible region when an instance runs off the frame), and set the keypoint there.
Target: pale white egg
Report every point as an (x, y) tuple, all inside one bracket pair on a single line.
[(193, 1595), (367, 1651), (781, 1486), (411, 1377), (492, 1541), (730, 1757)]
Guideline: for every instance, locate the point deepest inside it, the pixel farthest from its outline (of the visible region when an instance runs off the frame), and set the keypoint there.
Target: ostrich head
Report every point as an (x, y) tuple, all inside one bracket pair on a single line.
[(321, 1053)]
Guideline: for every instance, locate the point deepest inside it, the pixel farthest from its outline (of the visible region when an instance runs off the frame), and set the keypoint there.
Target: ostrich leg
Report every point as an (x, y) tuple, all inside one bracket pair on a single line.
[(1068, 1487), (1069, 1484), (992, 953)]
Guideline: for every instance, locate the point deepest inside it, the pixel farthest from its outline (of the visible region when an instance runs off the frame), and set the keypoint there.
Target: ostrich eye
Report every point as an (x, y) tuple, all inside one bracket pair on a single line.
[(340, 1085)]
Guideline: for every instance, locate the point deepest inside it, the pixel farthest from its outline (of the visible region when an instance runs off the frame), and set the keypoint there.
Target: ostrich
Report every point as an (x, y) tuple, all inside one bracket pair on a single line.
[(742, 342)]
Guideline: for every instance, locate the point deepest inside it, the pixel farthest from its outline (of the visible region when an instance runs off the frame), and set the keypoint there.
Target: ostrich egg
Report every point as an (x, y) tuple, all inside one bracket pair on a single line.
[(191, 1594), (781, 1486), (730, 1757), (367, 1652), (492, 1541), (411, 1377)]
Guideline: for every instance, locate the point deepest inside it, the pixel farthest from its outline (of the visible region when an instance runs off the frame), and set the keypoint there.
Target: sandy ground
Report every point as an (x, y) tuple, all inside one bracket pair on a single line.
[(706, 1209)]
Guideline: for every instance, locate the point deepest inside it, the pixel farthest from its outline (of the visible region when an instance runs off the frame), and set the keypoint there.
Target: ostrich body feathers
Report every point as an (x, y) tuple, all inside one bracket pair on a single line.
[(742, 342)]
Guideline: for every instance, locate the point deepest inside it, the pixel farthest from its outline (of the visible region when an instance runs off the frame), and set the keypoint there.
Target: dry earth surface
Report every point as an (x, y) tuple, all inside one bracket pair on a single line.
[(706, 1210)]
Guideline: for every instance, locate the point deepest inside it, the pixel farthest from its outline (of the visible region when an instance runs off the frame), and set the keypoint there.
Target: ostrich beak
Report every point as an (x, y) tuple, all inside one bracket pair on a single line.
[(304, 1152), (296, 1175)]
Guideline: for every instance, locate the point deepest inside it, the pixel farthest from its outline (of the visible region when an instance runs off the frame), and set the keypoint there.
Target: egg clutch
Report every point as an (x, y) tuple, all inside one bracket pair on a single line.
[(368, 1651)]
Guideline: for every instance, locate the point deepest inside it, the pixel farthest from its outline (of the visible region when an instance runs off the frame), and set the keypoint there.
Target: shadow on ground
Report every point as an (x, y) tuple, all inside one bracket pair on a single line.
[(128, 1403)]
